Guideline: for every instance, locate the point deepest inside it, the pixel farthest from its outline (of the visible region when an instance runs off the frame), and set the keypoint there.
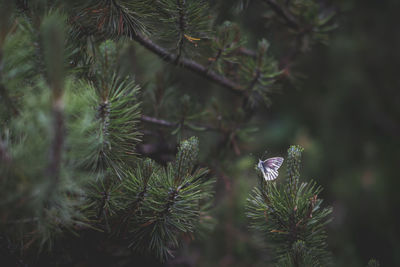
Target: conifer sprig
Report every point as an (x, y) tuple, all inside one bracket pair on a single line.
[(291, 217), (260, 72), (166, 203), (109, 126), (184, 24), (225, 46)]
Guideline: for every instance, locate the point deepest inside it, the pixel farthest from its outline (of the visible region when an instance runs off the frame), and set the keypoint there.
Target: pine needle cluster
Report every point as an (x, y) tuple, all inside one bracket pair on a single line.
[(291, 217)]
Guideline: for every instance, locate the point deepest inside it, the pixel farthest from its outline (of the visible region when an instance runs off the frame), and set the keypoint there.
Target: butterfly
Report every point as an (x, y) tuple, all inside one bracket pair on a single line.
[(269, 167)]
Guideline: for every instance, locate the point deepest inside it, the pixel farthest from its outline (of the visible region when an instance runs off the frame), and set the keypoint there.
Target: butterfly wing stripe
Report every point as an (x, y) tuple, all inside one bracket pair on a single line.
[(273, 163), (270, 174)]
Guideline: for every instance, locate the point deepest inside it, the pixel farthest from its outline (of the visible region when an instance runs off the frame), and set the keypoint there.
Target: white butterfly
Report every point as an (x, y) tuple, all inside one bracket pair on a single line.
[(269, 167)]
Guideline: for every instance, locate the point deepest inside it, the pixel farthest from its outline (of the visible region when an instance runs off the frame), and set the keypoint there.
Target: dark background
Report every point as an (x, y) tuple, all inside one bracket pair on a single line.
[(345, 112)]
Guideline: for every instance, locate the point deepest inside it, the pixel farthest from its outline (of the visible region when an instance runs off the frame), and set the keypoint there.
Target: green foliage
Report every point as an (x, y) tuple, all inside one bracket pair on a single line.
[(291, 217), (53, 40), (37, 202), (186, 157), (71, 148), (161, 205), (72, 163), (39, 182), (260, 72), (293, 165), (183, 24), (225, 46), (103, 126), (298, 255), (109, 18)]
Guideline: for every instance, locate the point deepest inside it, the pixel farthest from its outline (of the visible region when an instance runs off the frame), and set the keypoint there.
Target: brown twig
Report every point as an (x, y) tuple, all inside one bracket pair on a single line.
[(55, 156)]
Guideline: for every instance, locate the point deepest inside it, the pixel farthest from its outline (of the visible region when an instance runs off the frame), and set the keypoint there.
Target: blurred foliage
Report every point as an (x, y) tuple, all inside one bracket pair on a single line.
[(346, 115)]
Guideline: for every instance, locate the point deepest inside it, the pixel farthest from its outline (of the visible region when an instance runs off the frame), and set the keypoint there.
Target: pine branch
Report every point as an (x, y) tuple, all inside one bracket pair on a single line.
[(5, 156), (257, 74), (92, 20), (52, 31), (170, 201), (247, 52), (53, 169), (166, 123), (189, 64)]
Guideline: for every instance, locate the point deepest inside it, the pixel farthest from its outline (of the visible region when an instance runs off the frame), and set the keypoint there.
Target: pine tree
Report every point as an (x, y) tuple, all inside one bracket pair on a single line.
[(73, 117)]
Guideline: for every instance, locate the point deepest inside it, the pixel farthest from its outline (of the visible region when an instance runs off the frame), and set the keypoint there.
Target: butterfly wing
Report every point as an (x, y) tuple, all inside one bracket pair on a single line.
[(273, 163), (269, 167), (270, 174)]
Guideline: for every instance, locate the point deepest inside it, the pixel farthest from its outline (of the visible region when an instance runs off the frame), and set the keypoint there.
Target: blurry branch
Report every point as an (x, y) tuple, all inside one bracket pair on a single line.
[(165, 123), (58, 141), (257, 74), (294, 52), (283, 13), (6, 97), (52, 30), (247, 52), (158, 121), (3, 90), (4, 155)]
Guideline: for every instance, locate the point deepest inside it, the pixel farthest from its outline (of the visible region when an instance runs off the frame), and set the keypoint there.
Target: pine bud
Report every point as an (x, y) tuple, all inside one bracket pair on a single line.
[(186, 158), (293, 164)]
